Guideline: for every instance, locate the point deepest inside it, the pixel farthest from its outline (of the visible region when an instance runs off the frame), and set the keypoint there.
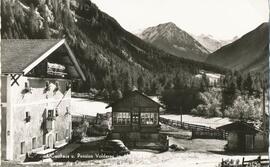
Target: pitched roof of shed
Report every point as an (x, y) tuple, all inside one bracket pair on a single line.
[(17, 54), (240, 126), (131, 94)]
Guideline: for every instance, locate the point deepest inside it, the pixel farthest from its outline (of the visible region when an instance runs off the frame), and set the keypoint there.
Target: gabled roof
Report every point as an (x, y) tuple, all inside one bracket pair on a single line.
[(131, 94), (240, 126), (19, 56)]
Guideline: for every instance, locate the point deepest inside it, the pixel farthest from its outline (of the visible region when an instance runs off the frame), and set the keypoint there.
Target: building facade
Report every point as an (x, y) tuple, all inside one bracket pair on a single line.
[(244, 137), (36, 96), (135, 120)]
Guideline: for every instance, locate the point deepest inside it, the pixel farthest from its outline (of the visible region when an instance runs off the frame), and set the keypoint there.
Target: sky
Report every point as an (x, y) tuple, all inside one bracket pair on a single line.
[(223, 19)]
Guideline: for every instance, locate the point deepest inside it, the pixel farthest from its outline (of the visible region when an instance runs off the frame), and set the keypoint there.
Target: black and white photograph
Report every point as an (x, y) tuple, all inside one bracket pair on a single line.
[(134, 83)]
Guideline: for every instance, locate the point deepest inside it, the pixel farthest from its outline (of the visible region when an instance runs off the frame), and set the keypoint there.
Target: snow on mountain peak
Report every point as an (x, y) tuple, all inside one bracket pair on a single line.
[(172, 39)]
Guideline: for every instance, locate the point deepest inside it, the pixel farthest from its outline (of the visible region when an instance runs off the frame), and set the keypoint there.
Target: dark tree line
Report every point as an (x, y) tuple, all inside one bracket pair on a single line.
[(235, 84)]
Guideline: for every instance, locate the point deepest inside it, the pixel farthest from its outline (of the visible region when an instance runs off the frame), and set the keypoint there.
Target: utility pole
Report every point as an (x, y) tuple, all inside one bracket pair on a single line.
[(264, 88), (263, 101), (181, 119)]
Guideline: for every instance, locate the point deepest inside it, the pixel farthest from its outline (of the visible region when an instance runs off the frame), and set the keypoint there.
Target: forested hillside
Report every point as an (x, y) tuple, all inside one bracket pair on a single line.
[(111, 57), (247, 54)]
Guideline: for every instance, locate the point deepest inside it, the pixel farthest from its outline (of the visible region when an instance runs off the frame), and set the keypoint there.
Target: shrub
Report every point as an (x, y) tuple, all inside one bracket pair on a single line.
[(194, 111), (218, 113)]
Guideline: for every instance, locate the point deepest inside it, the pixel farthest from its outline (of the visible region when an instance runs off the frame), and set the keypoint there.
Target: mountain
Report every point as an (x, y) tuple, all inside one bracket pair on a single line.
[(247, 54), (110, 56), (173, 40), (212, 44)]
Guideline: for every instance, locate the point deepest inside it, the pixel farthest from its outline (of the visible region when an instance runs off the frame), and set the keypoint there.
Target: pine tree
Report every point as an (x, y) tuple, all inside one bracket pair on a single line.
[(35, 3), (248, 84), (45, 32), (128, 84), (140, 83), (32, 23), (239, 82), (154, 87)]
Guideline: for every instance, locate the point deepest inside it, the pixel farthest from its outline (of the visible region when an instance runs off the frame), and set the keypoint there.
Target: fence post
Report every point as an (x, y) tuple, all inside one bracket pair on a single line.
[(259, 159), (222, 163), (243, 161)]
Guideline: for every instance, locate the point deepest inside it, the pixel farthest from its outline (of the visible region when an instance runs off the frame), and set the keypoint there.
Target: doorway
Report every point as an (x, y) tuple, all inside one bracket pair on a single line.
[(135, 120), (249, 142), (241, 142), (50, 142)]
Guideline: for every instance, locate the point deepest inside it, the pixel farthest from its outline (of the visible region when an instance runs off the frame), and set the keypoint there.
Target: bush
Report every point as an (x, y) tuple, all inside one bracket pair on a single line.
[(244, 108), (218, 113), (194, 111)]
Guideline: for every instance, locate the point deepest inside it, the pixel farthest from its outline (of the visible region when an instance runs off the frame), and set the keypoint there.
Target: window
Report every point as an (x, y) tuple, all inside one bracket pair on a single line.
[(121, 118), (148, 118), (67, 134), (50, 115), (56, 136), (135, 118), (56, 112), (23, 147), (27, 116), (34, 143)]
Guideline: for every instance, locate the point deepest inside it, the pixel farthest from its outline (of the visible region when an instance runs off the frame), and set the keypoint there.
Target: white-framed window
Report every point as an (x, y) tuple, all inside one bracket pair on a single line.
[(56, 112), (23, 151), (34, 143), (67, 133), (149, 118), (50, 113), (121, 118), (27, 116), (56, 137)]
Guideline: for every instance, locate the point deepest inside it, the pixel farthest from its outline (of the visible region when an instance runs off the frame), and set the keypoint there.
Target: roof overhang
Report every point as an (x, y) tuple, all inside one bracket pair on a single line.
[(239, 126), (49, 52), (131, 94)]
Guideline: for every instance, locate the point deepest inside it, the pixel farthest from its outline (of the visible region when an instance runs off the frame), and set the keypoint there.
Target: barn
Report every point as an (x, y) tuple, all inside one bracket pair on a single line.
[(135, 120), (245, 137), (36, 96)]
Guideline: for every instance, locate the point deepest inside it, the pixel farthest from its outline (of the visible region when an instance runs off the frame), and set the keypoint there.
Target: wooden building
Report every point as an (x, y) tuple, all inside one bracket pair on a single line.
[(36, 96), (135, 120), (245, 137)]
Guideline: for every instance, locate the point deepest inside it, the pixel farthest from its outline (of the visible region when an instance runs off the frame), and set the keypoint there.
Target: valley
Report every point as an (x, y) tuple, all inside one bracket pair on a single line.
[(125, 93)]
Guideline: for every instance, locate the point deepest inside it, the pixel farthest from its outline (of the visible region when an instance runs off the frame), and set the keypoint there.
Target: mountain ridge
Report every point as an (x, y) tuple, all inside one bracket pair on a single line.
[(212, 44), (172, 39), (248, 53)]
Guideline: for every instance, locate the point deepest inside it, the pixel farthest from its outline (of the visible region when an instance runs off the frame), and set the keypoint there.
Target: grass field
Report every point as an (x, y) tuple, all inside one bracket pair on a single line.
[(210, 122), (82, 106)]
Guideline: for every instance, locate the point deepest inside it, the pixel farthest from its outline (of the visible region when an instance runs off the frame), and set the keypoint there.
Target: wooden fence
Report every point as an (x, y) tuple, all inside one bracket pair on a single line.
[(198, 131), (250, 163)]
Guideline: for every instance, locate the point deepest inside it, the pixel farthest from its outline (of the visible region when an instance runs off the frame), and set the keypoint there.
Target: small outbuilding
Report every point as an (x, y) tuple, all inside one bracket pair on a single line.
[(135, 120), (245, 137)]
